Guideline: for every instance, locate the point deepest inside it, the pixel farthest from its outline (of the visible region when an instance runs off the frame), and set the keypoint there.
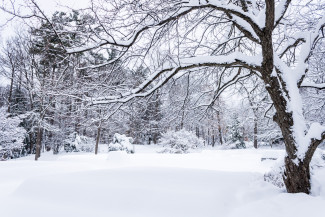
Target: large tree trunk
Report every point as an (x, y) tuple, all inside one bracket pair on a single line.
[(296, 176)]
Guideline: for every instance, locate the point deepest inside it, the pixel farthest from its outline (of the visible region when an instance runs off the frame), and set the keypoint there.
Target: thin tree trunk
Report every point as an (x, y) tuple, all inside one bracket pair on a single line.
[(39, 143), (213, 140), (219, 128), (10, 90), (97, 139), (31, 145), (255, 133)]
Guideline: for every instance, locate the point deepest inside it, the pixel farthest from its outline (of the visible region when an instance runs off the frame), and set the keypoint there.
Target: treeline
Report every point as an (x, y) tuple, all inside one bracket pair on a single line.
[(51, 92)]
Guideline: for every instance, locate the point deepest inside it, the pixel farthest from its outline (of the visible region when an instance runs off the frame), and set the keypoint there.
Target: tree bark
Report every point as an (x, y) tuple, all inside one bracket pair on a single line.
[(213, 140), (255, 133), (97, 139), (10, 90), (296, 176), (219, 128), (31, 145), (39, 143)]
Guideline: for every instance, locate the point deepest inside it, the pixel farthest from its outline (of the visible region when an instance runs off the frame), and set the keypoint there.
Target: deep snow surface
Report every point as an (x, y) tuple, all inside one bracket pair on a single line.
[(146, 184)]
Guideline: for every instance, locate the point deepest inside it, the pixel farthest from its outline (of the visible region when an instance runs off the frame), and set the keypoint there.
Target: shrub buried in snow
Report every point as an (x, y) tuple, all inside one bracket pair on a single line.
[(77, 143), (121, 143), (11, 136), (180, 142)]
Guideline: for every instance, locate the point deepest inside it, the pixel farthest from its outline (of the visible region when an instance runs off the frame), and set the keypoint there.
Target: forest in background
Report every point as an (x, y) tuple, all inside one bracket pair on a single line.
[(45, 90), (228, 71)]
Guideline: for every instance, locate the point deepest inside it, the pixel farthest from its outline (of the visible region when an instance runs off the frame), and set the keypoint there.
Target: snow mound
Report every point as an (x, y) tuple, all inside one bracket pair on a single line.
[(180, 142), (225, 183), (121, 143)]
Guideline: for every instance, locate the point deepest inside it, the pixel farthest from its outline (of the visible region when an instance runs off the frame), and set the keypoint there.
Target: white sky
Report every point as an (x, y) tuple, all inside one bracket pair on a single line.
[(48, 6)]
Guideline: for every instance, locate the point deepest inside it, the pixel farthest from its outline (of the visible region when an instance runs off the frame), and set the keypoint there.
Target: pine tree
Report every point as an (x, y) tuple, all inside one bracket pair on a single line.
[(235, 134)]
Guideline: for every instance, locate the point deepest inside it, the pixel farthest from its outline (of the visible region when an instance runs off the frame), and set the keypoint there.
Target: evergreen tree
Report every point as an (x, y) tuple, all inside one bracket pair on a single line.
[(235, 132)]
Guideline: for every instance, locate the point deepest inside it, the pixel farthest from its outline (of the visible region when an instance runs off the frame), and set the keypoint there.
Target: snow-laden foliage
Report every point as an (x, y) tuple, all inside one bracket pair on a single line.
[(121, 143), (76, 143), (180, 142), (237, 145), (275, 175), (237, 140), (11, 136)]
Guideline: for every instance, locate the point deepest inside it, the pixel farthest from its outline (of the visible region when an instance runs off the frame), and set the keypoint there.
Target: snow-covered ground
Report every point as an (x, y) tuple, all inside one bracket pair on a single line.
[(146, 184)]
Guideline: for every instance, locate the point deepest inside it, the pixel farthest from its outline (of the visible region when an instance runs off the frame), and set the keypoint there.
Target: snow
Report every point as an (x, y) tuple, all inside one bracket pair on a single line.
[(254, 61), (291, 77), (310, 84), (4, 82), (315, 131), (180, 142), (280, 10), (223, 5), (121, 143), (211, 183), (11, 135)]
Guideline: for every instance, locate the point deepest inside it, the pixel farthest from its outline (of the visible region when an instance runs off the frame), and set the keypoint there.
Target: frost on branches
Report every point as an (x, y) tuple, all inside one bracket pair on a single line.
[(11, 136), (121, 143), (272, 40), (180, 142)]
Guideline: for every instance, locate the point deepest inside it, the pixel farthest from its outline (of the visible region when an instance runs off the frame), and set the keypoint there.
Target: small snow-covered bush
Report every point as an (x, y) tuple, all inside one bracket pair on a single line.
[(121, 143), (11, 136), (236, 145), (179, 142), (78, 143), (275, 176)]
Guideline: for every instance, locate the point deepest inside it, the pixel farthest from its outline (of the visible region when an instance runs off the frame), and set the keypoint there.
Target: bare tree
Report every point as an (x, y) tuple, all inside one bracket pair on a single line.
[(243, 37), (216, 33)]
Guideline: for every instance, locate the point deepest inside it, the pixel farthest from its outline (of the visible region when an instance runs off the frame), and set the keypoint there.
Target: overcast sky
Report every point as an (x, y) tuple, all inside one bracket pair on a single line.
[(48, 6)]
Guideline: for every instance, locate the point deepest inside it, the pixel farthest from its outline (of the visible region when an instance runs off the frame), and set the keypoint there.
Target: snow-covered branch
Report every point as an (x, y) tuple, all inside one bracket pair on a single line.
[(232, 60), (313, 85), (130, 41), (315, 135), (245, 21), (280, 10), (232, 10)]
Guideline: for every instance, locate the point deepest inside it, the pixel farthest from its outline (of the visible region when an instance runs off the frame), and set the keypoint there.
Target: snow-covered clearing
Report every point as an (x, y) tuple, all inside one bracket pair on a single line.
[(146, 184)]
